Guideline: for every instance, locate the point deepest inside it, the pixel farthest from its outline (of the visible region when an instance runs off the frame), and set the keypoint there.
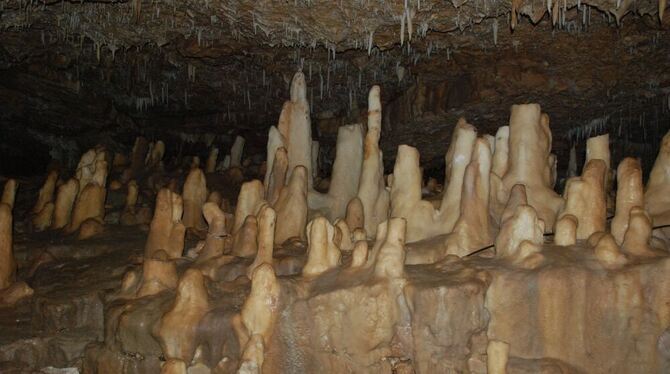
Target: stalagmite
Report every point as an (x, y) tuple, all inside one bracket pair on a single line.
[(585, 199), (245, 240), (499, 166), (42, 220), (210, 166), (216, 232), (159, 273), (497, 354), (657, 190), (295, 127), (529, 147), (472, 230), (359, 255), (291, 207), (236, 152), (89, 204), (167, 231), (90, 228), (343, 235), (67, 193), (345, 175), (598, 147), (390, 258), (322, 254), (607, 251), (178, 328), (456, 160), (275, 141), (523, 227), (517, 196), (277, 179), (630, 194), (156, 155), (565, 232), (637, 239), (423, 220), (7, 262), (259, 315), (355, 216), (194, 196), (372, 190), (46, 192), (266, 230), (9, 192), (248, 202)]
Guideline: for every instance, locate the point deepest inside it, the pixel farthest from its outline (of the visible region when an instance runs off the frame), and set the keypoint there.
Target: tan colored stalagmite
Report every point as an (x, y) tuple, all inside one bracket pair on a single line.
[(565, 231), (166, 232), (389, 260), (523, 227), (277, 178), (46, 192), (236, 152), (322, 254), (216, 232), (159, 273), (67, 193), (295, 126), (42, 220), (7, 262), (275, 142), (177, 329), (89, 204), (598, 148), (258, 316), (529, 147), (629, 194), (266, 231), (154, 157), (9, 192), (372, 189), (457, 159), (355, 216), (472, 230), (657, 190), (291, 207), (11, 291), (210, 165), (194, 196), (637, 239), (497, 354), (607, 251), (245, 240), (248, 202), (345, 175), (499, 165), (585, 199)]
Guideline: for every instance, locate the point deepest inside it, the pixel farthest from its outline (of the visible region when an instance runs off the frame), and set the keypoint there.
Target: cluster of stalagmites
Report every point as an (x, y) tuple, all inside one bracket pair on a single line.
[(498, 193)]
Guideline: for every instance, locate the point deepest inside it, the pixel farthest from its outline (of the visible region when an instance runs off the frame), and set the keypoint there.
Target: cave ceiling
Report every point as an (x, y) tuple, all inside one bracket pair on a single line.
[(90, 70)]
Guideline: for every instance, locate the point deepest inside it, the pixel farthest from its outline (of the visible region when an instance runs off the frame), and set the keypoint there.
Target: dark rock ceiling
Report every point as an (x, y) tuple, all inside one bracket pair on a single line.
[(75, 73)]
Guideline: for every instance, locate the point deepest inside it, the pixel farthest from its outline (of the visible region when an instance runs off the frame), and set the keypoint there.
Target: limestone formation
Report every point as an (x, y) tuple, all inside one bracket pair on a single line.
[(167, 231), (177, 329), (630, 194), (65, 198), (194, 196), (322, 254), (529, 148), (345, 175), (372, 190), (46, 192), (9, 192), (585, 199), (291, 207)]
